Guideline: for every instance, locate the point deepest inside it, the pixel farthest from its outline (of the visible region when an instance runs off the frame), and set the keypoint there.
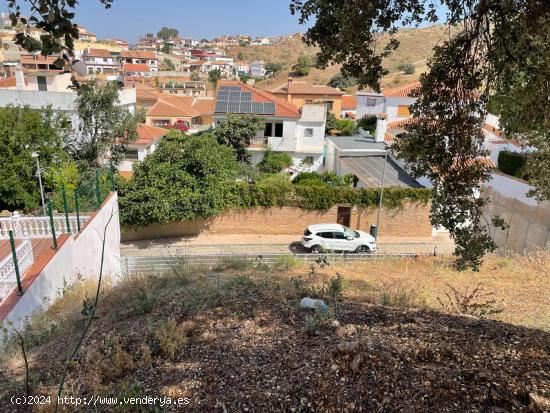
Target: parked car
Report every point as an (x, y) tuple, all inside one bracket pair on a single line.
[(336, 237)]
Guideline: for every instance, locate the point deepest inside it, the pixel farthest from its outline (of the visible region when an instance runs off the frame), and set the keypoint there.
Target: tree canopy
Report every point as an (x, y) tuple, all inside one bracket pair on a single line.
[(167, 33), (22, 132), (185, 178), (214, 76), (105, 127), (302, 67), (274, 162), (236, 131), (501, 49)]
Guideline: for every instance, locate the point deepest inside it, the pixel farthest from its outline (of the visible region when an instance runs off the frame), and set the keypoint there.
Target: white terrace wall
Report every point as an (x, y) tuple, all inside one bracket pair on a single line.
[(78, 255), (529, 221)]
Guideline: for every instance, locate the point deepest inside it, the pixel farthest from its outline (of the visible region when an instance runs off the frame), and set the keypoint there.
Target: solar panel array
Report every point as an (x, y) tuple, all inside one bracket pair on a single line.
[(231, 99)]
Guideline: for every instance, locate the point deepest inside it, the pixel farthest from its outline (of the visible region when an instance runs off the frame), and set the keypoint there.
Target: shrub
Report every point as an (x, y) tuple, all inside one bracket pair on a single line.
[(274, 162), (348, 127), (367, 121), (408, 68), (325, 178), (512, 163), (341, 82), (233, 263), (286, 262), (171, 337)]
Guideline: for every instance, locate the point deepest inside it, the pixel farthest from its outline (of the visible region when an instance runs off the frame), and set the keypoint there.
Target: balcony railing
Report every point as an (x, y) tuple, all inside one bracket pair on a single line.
[(38, 227), (259, 142), (25, 259)]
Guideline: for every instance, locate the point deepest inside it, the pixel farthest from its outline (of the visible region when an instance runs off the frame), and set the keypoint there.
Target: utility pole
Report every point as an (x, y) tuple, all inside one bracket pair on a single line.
[(381, 195), (39, 172)]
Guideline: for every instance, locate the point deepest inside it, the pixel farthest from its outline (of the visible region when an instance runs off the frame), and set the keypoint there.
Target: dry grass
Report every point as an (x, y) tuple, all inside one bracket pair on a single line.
[(416, 47)]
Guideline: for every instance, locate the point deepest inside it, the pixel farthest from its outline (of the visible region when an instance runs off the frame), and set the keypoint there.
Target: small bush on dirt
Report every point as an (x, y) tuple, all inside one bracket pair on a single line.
[(233, 263), (400, 298), (319, 320), (144, 303), (286, 262), (171, 337), (477, 302)]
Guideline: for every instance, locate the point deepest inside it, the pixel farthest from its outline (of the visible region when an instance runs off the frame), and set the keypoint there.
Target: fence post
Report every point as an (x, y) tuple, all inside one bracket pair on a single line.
[(66, 209), (52, 225), (97, 194), (15, 264), (77, 210), (112, 177)]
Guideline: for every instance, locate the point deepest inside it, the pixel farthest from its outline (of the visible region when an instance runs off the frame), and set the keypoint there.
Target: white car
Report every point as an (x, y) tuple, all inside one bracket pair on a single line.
[(336, 237)]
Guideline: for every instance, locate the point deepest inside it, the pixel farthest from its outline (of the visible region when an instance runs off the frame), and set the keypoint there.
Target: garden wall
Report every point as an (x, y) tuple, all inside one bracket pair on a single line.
[(410, 221)]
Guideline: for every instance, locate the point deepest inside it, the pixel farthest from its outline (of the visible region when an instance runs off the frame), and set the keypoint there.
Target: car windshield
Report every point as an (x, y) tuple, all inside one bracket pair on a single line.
[(351, 233)]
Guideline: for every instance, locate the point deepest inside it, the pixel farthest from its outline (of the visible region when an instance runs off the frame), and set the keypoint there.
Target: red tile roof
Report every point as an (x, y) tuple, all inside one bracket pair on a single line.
[(97, 52), (149, 134), (401, 91), (138, 54), (173, 107), (131, 67), (397, 124), (349, 102), (304, 88), (282, 107), (8, 82)]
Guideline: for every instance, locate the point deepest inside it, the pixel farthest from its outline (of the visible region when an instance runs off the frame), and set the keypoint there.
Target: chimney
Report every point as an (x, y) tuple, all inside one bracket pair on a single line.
[(381, 127), (289, 81), (19, 79)]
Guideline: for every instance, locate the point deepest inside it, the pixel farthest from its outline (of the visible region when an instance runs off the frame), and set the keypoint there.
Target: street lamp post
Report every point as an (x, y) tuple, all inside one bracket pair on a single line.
[(381, 195), (39, 172)]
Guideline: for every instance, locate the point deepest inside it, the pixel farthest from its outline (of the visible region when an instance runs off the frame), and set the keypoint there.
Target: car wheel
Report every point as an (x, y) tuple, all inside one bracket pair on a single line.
[(362, 249), (316, 249)]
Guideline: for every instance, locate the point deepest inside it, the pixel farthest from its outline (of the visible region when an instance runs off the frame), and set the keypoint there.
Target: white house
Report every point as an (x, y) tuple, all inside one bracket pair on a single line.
[(394, 102), (145, 57), (300, 133), (146, 144), (95, 62)]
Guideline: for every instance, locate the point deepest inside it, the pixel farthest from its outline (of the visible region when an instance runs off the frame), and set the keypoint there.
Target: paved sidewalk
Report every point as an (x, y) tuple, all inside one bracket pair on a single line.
[(263, 244)]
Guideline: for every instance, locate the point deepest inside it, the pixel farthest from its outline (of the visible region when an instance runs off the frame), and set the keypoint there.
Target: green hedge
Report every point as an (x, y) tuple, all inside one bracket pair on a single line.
[(512, 163)]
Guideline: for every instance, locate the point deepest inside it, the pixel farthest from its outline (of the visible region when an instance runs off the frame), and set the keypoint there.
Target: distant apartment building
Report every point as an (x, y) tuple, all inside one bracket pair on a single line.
[(85, 35), (136, 70), (257, 68), (241, 68), (395, 102), (301, 93), (136, 57), (300, 133), (191, 113), (96, 62)]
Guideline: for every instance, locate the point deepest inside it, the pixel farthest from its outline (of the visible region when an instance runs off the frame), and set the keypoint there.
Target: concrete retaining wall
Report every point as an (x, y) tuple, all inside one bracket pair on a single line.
[(529, 221)]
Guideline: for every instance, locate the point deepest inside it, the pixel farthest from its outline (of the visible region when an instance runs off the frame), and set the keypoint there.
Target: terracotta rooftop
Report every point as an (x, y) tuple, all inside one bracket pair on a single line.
[(131, 67), (304, 88), (138, 54), (149, 134), (401, 91), (145, 93), (204, 105), (173, 106), (349, 102), (9, 82), (282, 107), (97, 52)]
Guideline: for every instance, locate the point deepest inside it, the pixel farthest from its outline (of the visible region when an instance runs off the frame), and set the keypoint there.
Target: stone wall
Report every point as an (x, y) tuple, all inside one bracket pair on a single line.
[(410, 221)]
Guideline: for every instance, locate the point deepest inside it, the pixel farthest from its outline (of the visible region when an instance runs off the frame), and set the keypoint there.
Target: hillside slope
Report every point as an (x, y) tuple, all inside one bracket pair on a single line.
[(416, 47), (233, 339)]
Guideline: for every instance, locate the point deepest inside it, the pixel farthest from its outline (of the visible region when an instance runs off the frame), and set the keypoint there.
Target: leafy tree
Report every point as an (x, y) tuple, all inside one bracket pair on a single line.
[(105, 127), (54, 17), (167, 64), (408, 68), (214, 76), (274, 162), (273, 67), (236, 131), (303, 66), (22, 132), (167, 33), (341, 82), (166, 48), (500, 50), (331, 122), (185, 178), (348, 127)]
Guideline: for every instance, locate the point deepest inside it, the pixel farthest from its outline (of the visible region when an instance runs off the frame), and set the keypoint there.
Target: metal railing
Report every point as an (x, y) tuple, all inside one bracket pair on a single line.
[(8, 272), (130, 264)]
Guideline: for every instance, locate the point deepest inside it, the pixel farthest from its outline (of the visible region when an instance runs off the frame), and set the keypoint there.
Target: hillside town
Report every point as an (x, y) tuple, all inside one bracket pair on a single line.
[(190, 215)]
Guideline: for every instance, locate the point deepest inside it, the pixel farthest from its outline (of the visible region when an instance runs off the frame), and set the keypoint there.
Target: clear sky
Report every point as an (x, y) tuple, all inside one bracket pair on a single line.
[(128, 19)]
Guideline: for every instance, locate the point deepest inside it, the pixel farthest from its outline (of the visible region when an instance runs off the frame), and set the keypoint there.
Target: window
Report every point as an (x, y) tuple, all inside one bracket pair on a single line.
[(90, 70), (403, 110), (351, 233), (279, 130), (308, 132), (329, 104), (105, 60), (308, 160), (371, 102), (42, 83), (338, 235), (268, 129), (326, 235), (162, 123), (131, 154)]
